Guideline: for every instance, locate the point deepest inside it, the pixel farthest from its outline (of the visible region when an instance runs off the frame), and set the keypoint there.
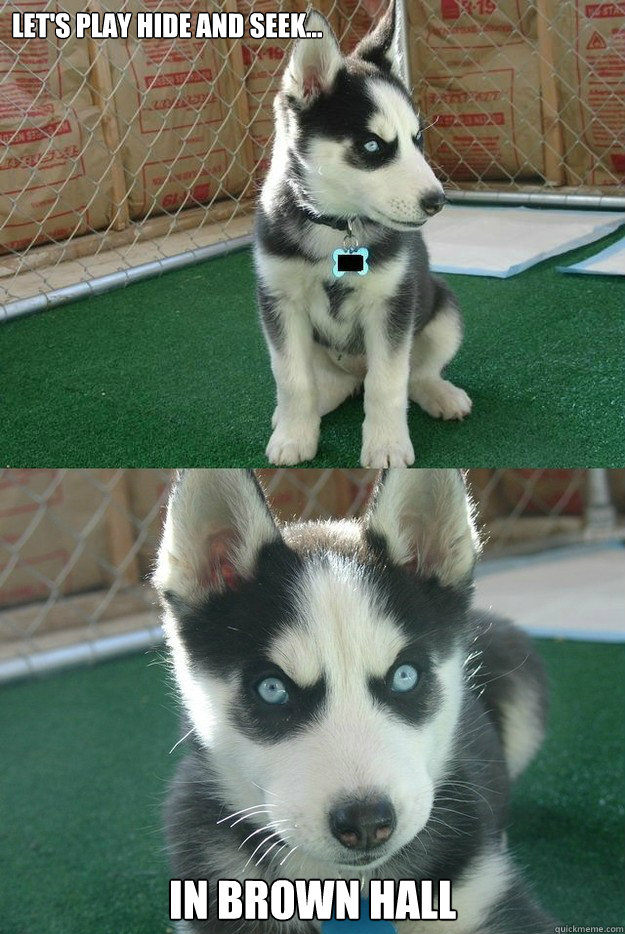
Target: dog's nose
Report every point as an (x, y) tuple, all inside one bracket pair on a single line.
[(363, 825), (432, 202)]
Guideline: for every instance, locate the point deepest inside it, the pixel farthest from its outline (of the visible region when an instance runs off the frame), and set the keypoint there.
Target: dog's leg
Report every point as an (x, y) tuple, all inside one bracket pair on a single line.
[(489, 898), (432, 349), (296, 418), (385, 438), (334, 385)]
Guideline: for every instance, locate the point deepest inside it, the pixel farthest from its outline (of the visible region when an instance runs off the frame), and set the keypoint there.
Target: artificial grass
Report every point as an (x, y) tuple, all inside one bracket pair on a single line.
[(174, 372), (85, 763)]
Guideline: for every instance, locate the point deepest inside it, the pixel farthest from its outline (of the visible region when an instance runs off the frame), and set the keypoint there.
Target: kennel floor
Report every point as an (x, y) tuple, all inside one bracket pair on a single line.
[(173, 371), (85, 761)]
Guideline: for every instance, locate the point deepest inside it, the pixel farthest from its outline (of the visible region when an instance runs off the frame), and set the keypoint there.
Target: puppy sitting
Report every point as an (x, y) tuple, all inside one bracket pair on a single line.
[(349, 187)]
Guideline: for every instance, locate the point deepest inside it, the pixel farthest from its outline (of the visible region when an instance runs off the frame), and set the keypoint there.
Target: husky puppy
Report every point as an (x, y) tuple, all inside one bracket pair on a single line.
[(349, 715), (348, 162)]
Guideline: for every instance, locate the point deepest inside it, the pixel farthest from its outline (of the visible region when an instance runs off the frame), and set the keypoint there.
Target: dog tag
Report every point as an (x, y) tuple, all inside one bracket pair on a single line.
[(364, 925), (350, 260)]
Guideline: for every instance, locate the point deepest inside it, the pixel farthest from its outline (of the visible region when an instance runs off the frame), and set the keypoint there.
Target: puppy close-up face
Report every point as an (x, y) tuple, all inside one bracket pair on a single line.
[(321, 663), (356, 138)]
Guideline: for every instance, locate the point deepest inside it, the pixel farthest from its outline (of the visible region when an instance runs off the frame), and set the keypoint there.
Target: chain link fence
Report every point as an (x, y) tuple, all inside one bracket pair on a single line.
[(120, 158), (77, 546)]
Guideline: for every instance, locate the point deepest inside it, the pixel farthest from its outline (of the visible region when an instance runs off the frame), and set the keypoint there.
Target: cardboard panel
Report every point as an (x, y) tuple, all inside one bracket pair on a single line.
[(475, 70), (55, 176), (56, 540), (175, 103), (589, 49)]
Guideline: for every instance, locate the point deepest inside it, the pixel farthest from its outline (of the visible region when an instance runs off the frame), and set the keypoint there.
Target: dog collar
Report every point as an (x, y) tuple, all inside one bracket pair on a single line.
[(326, 220), (352, 258), (364, 925)]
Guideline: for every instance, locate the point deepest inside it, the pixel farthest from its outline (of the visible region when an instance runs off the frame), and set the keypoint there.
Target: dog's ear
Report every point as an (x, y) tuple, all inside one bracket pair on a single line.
[(217, 521), (425, 519), (313, 64), (381, 46)]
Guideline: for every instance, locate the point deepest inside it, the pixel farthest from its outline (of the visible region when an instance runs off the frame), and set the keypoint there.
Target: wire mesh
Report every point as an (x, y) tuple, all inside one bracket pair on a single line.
[(522, 91), (77, 546), (120, 153)]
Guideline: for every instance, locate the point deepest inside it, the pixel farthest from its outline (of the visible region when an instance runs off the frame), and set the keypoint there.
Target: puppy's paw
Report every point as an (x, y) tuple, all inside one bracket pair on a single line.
[(440, 398), (291, 445), (381, 449)]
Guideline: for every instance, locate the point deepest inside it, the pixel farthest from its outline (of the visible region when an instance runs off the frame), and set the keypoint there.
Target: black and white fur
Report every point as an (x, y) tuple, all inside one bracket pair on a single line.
[(332, 609), (396, 328)]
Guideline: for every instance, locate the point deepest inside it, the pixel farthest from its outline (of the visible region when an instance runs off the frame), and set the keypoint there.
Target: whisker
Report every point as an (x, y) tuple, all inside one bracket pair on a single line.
[(290, 853), (418, 837), (427, 127), (175, 746), (262, 843), (252, 807), (267, 852), (279, 850), (445, 810), (456, 830), (268, 826), (247, 816), (505, 673), (265, 790)]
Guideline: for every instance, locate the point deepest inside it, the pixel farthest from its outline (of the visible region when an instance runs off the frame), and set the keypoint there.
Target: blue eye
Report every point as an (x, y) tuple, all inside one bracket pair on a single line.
[(272, 691), (405, 678), (371, 145)]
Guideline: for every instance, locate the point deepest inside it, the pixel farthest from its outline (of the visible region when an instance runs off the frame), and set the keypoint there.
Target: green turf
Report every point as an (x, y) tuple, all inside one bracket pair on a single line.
[(173, 372), (85, 761)]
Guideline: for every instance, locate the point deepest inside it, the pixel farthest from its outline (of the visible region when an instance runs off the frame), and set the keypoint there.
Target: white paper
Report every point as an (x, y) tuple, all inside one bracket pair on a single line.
[(502, 241), (609, 262)]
